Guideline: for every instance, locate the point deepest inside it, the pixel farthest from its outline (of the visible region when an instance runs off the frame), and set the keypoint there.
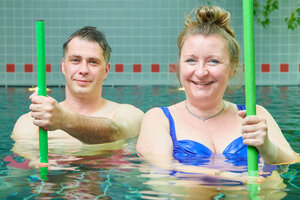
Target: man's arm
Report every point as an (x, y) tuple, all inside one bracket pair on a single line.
[(25, 132), (125, 123), (47, 113)]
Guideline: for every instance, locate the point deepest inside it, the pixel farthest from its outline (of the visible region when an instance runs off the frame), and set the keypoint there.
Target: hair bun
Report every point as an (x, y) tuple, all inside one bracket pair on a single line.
[(212, 15)]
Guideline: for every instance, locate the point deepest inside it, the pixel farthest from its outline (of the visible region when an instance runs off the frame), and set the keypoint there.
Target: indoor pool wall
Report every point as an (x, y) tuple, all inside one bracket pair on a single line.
[(143, 36)]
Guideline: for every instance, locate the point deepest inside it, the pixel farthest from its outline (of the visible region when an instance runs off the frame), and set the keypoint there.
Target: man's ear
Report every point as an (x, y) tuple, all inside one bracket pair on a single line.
[(107, 68), (62, 66)]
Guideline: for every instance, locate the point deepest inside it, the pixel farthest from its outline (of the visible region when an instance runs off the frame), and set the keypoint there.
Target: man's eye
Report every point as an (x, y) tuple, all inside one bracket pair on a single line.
[(74, 60)]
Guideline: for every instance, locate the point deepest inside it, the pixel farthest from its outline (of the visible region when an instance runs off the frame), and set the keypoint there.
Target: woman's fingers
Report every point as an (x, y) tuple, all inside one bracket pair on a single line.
[(242, 113), (253, 119)]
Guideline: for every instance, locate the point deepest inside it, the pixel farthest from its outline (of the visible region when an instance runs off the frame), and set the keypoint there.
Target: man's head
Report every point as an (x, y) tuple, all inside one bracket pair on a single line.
[(85, 63), (91, 34)]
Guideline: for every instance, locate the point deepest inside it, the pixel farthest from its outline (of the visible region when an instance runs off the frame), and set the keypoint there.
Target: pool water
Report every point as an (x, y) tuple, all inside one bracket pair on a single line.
[(97, 172)]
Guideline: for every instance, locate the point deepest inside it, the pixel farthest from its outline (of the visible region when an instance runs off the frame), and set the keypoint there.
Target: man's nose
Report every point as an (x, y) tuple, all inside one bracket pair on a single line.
[(84, 68)]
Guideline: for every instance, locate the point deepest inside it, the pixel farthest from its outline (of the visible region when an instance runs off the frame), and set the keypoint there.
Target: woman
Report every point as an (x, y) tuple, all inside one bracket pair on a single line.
[(205, 124)]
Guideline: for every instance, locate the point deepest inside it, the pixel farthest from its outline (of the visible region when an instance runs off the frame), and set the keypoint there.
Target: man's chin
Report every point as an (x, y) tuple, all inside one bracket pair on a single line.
[(82, 91)]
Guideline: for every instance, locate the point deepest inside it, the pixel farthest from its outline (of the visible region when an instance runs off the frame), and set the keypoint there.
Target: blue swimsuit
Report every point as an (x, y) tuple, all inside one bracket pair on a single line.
[(195, 153)]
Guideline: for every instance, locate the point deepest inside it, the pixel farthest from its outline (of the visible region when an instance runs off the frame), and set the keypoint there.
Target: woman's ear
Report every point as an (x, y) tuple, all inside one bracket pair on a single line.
[(233, 69)]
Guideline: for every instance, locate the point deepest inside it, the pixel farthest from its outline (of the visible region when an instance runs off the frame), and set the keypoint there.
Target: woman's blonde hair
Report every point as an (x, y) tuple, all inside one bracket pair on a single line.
[(211, 20)]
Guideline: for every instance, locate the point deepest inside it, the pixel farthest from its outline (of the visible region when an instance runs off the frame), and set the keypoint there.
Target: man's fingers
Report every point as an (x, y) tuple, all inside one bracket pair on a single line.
[(36, 115), (40, 123), (34, 94), (38, 99), (34, 108)]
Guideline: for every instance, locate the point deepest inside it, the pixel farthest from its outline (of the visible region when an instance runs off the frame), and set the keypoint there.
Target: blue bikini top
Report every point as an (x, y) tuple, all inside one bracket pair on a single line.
[(195, 153)]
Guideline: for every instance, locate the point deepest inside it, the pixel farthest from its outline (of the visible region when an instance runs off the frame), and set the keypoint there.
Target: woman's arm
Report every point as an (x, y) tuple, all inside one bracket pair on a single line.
[(154, 141), (263, 132)]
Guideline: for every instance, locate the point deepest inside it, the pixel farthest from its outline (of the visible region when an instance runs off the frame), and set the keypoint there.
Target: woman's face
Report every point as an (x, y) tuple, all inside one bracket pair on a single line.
[(205, 67)]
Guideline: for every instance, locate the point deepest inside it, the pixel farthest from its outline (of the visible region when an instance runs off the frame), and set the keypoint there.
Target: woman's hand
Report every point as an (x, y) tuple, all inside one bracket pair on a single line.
[(255, 133)]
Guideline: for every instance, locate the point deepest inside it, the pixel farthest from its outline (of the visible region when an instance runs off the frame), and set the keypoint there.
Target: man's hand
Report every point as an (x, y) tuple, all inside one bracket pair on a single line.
[(46, 112)]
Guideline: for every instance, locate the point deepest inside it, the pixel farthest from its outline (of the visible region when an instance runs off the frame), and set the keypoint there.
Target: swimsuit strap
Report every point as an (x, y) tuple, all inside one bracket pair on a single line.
[(241, 107), (171, 123)]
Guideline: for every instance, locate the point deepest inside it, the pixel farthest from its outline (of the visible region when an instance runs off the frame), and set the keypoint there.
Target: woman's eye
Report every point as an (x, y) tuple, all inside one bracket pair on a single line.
[(190, 61), (213, 61)]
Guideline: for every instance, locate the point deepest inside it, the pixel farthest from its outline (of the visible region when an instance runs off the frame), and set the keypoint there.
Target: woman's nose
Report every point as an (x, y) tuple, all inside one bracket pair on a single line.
[(201, 70)]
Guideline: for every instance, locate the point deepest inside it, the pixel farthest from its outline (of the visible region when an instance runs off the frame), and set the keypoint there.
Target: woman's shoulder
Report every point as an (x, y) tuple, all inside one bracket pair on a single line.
[(234, 106), (262, 111), (243, 106), (161, 110), (156, 111)]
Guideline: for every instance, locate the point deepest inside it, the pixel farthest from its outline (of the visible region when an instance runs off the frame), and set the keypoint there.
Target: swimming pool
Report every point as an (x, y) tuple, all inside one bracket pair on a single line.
[(95, 173)]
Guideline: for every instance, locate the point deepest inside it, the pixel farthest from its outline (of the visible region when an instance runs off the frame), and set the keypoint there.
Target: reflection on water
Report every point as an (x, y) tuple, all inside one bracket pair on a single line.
[(114, 171)]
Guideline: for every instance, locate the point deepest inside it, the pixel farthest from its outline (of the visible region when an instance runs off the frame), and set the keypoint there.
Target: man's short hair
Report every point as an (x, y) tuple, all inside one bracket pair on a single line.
[(90, 33)]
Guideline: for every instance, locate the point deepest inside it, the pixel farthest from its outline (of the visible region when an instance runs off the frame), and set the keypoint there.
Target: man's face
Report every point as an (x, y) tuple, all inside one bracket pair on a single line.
[(84, 67)]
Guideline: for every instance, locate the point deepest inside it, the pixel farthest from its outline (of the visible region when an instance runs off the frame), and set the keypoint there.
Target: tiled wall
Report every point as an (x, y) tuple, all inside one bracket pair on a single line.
[(142, 34)]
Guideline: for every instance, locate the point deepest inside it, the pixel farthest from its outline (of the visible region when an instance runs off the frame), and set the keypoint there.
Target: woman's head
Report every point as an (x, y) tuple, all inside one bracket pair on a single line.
[(211, 21)]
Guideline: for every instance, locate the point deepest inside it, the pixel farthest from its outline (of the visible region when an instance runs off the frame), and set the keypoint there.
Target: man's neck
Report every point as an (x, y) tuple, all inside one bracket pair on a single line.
[(83, 105)]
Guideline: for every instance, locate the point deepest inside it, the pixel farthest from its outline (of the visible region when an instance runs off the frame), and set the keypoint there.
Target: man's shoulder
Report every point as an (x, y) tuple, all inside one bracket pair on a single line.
[(24, 119), (24, 126), (126, 111), (128, 108), (122, 106)]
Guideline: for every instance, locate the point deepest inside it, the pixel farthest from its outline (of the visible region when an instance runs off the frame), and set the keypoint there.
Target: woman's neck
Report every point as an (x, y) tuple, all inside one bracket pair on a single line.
[(205, 109)]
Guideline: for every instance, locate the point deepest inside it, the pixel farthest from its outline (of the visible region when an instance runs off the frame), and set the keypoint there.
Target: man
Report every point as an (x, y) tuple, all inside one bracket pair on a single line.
[(84, 116)]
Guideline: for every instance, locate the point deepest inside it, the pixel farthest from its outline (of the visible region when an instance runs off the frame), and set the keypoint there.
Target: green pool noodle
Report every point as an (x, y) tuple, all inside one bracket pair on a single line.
[(250, 92), (42, 89), (44, 173)]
